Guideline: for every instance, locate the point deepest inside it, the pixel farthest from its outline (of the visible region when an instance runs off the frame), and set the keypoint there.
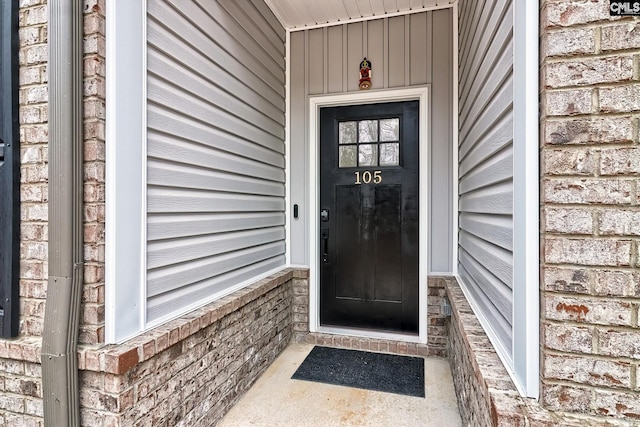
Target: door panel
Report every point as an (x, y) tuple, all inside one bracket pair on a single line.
[(369, 216), (388, 243)]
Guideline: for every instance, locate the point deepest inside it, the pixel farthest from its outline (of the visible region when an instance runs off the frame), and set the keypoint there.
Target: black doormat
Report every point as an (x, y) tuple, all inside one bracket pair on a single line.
[(362, 369)]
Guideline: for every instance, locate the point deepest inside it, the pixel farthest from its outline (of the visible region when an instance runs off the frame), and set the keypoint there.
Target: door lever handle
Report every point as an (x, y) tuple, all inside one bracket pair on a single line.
[(325, 246)]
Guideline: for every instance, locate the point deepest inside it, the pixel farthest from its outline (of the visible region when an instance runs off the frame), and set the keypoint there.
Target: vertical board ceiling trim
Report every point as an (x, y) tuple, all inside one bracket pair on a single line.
[(294, 15)]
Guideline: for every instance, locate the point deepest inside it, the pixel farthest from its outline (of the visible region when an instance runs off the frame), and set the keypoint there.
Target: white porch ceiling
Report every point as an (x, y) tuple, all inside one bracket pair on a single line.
[(300, 14)]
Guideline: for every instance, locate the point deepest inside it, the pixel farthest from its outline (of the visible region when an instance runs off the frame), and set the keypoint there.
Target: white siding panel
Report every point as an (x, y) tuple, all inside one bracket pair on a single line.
[(167, 226), (215, 151), (185, 176), (491, 286), (498, 105), (180, 275), (202, 87), (172, 124), (490, 313), (497, 199), (209, 18), (485, 155), (163, 305), (179, 151), (498, 137), (270, 18), (496, 169), (191, 201), (162, 92), (492, 37), (249, 17), (495, 259), (169, 252), (204, 61), (163, 18), (496, 229), (492, 80)]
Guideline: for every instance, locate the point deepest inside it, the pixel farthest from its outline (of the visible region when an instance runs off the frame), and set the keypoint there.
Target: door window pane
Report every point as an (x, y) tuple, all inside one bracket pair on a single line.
[(368, 130), (347, 132), (368, 155), (348, 157), (389, 129), (390, 154)]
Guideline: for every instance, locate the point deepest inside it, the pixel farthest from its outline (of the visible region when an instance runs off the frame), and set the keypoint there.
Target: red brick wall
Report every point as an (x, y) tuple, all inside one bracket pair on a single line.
[(34, 172), (590, 163), (92, 320), (33, 152)]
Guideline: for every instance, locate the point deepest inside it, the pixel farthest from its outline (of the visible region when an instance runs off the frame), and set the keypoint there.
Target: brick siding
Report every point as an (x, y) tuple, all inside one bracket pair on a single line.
[(590, 163), (188, 372), (487, 396), (436, 344), (92, 318), (33, 97), (590, 254), (33, 16)]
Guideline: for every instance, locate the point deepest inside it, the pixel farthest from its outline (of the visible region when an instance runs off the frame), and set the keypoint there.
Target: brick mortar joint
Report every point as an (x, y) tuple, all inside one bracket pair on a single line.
[(592, 297), (595, 116), (595, 90), (591, 207), (554, 235), (545, 29), (589, 387), (613, 53), (590, 356)]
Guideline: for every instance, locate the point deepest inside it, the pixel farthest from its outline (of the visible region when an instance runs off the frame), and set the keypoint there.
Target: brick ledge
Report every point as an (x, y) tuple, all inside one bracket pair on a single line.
[(24, 349), (505, 405), (119, 358)]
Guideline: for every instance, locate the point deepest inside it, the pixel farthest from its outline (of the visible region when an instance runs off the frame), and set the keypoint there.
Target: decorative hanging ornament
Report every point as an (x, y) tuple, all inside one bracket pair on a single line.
[(365, 74)]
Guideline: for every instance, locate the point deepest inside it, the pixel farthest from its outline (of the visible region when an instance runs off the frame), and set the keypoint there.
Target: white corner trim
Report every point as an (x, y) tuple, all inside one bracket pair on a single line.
[(422, 94), (287, 149), (455, 148), (125, 206), (526, 319)]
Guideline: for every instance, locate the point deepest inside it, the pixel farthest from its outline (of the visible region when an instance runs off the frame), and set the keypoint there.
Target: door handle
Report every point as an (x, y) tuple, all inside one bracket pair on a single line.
[(325, 246)]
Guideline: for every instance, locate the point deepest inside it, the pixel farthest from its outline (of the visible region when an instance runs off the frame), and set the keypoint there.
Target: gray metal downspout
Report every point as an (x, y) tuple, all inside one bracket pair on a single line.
[(64, 289)]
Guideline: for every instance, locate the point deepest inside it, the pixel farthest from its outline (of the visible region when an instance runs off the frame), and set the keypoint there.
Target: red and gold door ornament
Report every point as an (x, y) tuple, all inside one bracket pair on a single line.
[(365, 74)]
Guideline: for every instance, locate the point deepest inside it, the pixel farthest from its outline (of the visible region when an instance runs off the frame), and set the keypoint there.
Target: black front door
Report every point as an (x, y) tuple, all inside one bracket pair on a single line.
[(369, 216)]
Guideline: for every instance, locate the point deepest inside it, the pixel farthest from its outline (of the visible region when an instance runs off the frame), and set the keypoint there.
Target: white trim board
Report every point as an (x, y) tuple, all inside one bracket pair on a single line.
[(526, 306), (287, 149), (454, 147), (356, 98), (125, 206)]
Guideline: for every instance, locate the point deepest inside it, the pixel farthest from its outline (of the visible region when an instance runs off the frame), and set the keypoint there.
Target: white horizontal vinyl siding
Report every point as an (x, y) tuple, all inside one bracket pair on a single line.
[(485, 244), (215, 150)]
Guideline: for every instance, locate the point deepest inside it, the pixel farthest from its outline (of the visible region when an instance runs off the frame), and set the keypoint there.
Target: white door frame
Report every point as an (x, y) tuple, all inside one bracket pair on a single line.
[(421, 94)]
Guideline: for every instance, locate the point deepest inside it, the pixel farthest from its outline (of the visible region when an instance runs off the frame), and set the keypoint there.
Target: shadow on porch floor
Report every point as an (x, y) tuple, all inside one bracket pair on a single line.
[(277, 400)]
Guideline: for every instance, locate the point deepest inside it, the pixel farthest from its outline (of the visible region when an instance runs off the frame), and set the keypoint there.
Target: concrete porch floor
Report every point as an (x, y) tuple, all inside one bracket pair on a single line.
[(277, 400)]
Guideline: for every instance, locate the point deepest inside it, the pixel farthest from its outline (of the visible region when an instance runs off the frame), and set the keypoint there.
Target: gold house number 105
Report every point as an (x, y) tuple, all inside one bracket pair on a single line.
[(367, 177)]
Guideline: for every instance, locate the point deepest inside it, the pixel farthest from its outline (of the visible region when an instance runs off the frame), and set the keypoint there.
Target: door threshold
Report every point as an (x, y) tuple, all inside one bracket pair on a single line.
[(368, 333)]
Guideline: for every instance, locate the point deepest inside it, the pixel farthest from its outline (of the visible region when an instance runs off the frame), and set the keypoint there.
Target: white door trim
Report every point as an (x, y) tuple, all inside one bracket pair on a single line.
[(357, 98)]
